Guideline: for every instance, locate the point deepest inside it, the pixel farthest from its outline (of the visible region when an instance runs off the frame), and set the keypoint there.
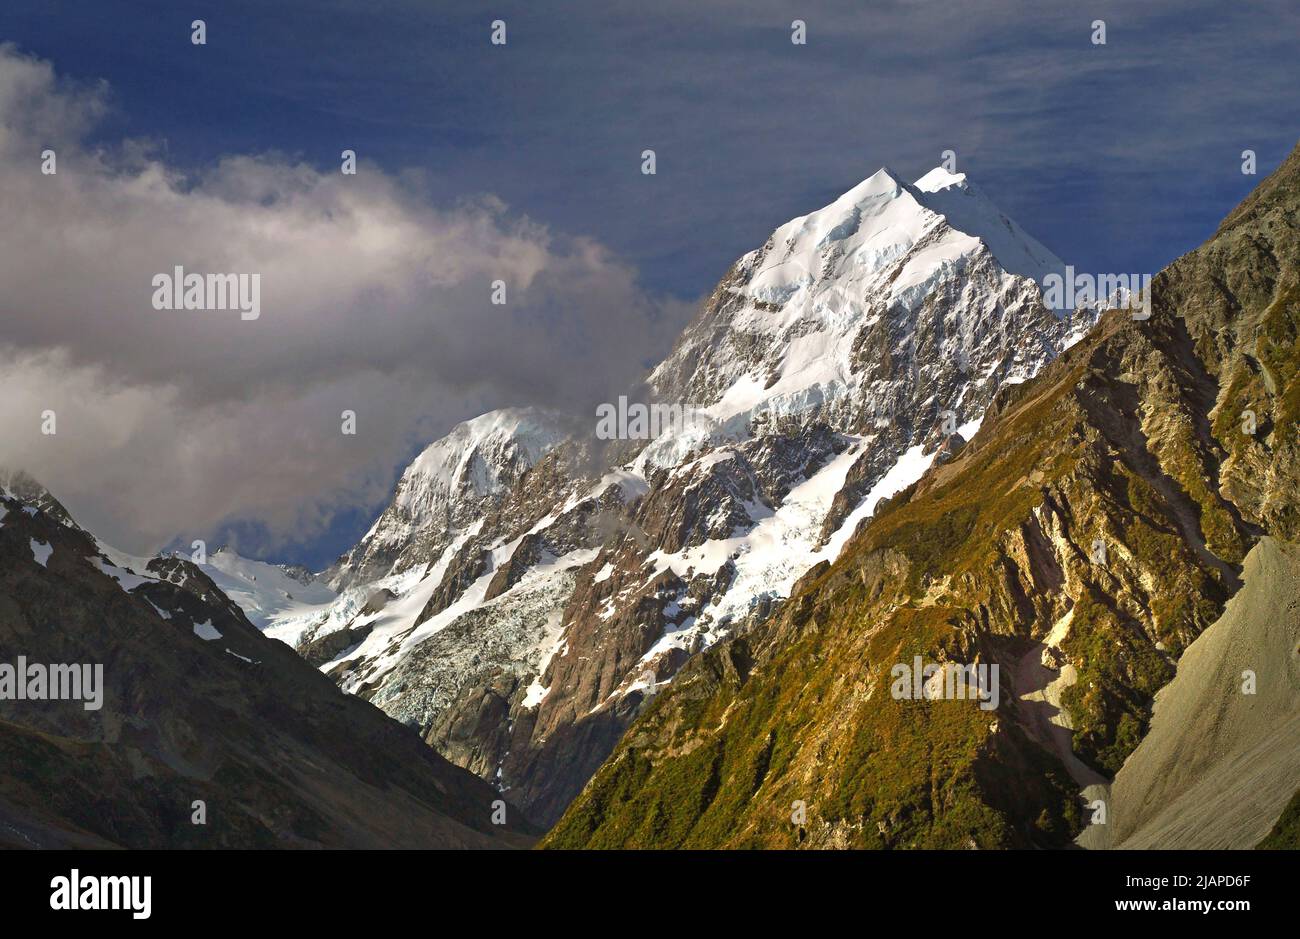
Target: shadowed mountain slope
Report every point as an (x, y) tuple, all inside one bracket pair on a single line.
[(197, 706)]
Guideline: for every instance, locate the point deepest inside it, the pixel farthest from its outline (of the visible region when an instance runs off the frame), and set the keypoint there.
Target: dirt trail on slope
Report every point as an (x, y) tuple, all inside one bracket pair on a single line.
[(1218, 766)]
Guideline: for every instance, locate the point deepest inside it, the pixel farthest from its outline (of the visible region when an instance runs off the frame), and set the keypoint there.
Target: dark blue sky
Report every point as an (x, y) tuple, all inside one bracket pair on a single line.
[(1118, 157)]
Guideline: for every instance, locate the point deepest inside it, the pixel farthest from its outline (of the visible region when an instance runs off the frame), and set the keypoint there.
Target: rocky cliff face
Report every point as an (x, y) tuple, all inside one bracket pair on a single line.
[(196, 706), (529, 626), (1088, 533)]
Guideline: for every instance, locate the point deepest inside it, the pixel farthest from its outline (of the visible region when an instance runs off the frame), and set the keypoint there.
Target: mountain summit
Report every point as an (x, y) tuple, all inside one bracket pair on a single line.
[(1083, 548), (531, 588), (837, 306), (447, 487)]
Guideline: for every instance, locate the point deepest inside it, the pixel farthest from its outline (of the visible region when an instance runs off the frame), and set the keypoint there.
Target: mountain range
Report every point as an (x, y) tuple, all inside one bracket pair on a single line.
[(531, 587), (890, 450), (1086, 541)]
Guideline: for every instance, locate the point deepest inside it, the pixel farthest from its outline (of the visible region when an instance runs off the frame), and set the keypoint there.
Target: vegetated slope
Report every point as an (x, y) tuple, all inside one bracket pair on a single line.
[(1285, 835), (198, 706), (522, 599), (1094, 527)]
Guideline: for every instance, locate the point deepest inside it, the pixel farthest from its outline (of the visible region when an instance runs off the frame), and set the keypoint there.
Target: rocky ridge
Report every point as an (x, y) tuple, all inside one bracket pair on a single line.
[(198, 709)]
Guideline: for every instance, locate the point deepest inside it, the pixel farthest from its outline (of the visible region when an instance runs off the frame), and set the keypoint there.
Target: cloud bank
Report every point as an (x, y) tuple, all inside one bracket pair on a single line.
[(172, 423)]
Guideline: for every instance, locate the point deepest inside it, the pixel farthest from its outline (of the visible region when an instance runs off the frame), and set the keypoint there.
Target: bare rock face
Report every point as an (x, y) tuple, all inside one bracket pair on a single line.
[(329, 646), (1218, 767), (21, 486), (542, 603)]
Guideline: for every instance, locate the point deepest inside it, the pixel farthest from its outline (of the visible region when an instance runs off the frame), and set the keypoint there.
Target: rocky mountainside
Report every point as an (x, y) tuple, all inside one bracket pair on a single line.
[(448, 488), (532, 588), (1085, 537), (196, 706)]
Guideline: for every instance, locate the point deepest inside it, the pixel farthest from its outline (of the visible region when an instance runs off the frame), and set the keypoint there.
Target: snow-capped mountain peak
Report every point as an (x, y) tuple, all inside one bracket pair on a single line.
[(510, 615), (860, 233), (475, 455), (967, 209), (859, 236), (821, 321), (449, 486)]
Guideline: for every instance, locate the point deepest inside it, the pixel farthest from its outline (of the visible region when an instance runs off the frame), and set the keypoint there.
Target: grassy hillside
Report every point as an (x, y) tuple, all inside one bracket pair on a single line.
[(1286, 833)]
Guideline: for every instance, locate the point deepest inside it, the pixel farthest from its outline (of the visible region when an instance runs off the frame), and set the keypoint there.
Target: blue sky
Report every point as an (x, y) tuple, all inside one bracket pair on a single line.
[(1118, 157)]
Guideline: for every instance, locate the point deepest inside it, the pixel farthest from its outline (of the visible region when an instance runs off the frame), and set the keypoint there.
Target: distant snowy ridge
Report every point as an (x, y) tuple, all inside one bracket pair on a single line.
[(264, 591)]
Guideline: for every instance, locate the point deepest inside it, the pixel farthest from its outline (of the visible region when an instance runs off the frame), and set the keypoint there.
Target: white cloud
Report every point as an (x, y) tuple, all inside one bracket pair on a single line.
[(172, 422)]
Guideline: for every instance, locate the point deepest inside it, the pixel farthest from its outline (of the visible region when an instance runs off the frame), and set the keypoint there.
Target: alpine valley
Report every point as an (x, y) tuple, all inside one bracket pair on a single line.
[(885, 445)]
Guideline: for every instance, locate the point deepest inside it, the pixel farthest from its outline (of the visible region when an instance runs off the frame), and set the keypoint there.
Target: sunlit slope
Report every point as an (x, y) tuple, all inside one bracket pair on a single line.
[(1095, 527)]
